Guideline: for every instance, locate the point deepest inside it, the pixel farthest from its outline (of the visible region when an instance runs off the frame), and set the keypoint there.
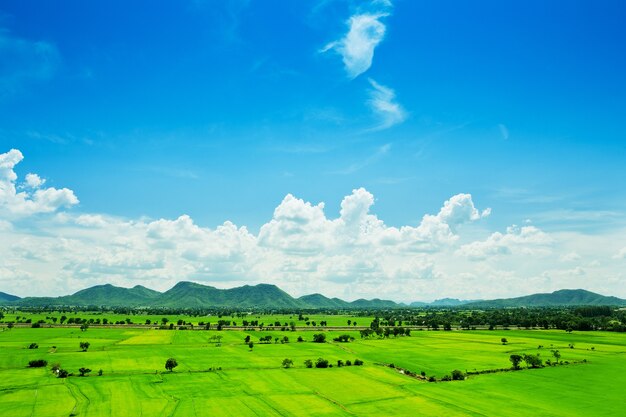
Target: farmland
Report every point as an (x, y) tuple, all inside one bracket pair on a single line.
[(219, 374)]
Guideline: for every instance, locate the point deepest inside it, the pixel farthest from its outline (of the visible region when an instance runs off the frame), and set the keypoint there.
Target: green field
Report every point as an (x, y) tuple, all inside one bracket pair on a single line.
[(232, 379)]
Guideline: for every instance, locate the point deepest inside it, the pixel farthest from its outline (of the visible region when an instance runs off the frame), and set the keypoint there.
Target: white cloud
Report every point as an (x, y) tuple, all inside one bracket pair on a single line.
[(34, 181), (383, 103), (301, 249), (365, 32), (527, 240), (32, 201)]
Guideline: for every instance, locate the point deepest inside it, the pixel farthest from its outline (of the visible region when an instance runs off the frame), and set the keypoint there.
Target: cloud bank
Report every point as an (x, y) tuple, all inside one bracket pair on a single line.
[(47, 248)]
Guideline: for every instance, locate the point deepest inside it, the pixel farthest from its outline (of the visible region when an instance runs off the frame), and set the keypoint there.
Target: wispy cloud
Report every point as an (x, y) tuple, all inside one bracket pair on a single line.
[(357, 166), (383, 103), (365, 32)]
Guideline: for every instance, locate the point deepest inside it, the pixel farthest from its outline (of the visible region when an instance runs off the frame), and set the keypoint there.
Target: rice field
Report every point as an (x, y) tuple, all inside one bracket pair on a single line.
[(227, 377)]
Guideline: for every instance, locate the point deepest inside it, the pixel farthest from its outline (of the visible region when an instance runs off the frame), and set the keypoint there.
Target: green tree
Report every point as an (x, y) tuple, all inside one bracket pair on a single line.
[(504, 341), (287, 363), (84, 346), (84, 327), (84, 371), (319, 338), (458, 375), (170, 364), (533, 361), (308, 363), (321, 363), (556, 354), (515, 360)]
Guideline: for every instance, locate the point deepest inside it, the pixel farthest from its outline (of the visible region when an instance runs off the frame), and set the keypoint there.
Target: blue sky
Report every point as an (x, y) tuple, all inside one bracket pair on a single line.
[(218, 110)]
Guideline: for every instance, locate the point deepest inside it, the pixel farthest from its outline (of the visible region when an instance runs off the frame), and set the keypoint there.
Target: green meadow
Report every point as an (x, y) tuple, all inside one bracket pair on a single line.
[(231, 379)]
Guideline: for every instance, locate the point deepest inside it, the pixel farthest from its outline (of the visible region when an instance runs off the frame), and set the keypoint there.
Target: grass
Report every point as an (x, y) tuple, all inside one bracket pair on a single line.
[(232, 379)]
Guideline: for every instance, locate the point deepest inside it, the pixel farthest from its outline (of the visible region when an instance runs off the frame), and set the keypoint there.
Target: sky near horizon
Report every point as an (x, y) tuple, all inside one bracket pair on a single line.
[(402, 149)]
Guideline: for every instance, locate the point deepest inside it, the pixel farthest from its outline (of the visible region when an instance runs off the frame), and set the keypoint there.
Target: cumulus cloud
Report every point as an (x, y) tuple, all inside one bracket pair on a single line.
[(527, 240), (621, 254), (383, 103), (302, 249), (365, 32), (33, 200)]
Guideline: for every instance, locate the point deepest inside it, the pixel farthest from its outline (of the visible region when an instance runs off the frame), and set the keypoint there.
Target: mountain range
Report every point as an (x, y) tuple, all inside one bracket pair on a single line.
[(193, 295)]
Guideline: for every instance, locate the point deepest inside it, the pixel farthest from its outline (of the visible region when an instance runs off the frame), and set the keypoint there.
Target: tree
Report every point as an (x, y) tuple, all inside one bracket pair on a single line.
[(251, 345), (287, 363), (84, 346), (33, 346), (321, 363), (170, 364), (247, 339), (319, 338), (556, 354), (84, 327), (62, 373), (100, 372), (84, 371), (504, 341), (37, 363), (533, 361), (458, 375), (308, 363), (515, 360)]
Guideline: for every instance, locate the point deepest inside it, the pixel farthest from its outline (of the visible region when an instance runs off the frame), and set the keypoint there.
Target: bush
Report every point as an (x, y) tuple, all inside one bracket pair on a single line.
[(358, 362), (446, 378), (170, 364), (33, 346), (348, 362), (458, 375), (319, 338), (62, 373), (308, 363), (37, 363), (432, 379), (321, 363)]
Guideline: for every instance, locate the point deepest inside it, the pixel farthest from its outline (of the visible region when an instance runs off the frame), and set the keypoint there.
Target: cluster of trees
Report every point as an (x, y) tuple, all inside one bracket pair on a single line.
[(532, 361), (324, 363), (344, 338), (381, 332)]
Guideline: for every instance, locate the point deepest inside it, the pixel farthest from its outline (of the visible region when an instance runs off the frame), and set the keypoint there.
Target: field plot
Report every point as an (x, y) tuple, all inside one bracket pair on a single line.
[(219, 374)]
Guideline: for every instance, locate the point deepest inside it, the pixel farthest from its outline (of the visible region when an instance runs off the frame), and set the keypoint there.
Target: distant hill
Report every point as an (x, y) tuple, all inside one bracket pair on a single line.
[(8, 297), (556, 298), (320, 301), (193, 295)]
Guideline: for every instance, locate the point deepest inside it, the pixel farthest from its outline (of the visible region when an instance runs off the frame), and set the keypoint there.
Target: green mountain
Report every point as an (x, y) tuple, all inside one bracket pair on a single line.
[(8, 297), (193, 295), (556, 298), (190, 294), (99, 295), (374, 303), (320, 301)]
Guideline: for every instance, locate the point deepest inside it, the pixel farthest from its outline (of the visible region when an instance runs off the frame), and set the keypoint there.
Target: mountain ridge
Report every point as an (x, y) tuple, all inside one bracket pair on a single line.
[(187, 294)]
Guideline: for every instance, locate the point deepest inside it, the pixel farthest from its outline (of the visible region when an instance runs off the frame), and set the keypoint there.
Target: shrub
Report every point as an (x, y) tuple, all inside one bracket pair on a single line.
[(33, 346), (308, 363), (37, 363), (446, 378), (321, 363), (62, 373), (319, 338), (348, 362), (432, 379), (358, 362), (458, 375)]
